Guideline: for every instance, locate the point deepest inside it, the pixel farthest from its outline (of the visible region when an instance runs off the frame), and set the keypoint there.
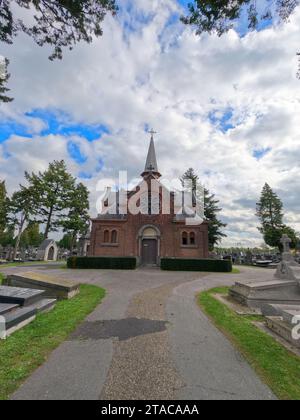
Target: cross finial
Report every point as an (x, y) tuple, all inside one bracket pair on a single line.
[(152, 132)]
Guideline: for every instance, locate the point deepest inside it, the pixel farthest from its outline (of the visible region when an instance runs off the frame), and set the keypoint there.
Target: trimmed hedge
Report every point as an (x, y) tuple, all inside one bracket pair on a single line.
[(107, 263), (180, 264)]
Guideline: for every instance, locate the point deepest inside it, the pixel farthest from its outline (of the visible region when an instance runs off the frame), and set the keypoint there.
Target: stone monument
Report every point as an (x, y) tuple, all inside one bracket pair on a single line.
[(288, 268), (277, 299)]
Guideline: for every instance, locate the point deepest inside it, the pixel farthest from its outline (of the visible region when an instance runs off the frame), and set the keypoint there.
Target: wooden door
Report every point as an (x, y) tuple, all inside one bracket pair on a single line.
[(149, 252)]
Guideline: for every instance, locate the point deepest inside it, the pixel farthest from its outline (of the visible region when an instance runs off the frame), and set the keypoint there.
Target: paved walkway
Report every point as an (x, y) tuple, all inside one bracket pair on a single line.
[(147, 340)]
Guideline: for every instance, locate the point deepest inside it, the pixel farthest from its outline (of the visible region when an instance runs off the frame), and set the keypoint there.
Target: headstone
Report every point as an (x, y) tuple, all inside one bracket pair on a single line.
[(287, 269), (283, 289), (286, 243), (277, 299)]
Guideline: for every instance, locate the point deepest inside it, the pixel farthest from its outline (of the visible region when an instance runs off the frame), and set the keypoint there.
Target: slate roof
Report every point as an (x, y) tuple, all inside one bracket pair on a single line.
[(45, 244)]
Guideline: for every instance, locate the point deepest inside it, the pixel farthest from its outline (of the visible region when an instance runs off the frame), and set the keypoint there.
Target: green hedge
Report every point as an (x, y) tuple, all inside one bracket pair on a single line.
[(180, 264), (108, 263)]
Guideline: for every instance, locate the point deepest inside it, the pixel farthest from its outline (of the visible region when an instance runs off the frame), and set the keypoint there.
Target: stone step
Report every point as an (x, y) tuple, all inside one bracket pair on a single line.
[(282, 328), (263, 285), (7, 307), (286, 312), (20, 296), (44, 305), (16, 320)]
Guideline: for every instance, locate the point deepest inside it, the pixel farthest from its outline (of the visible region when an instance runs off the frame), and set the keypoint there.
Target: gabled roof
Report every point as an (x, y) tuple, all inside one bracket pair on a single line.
[(45, 244)]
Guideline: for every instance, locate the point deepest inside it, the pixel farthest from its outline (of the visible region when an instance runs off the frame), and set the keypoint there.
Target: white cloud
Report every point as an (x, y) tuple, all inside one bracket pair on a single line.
[(160, 73)]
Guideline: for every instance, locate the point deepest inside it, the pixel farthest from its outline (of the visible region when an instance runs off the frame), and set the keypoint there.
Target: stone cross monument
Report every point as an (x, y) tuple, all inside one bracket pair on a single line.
[(287, 255), (286, 241)]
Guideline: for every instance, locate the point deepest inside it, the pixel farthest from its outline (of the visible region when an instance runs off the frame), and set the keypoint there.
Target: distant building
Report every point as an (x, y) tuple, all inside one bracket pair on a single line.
[(48, 251), (84, 245), (148, 235)]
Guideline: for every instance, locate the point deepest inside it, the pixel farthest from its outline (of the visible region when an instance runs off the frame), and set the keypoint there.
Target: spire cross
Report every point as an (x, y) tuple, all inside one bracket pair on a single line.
[(152, 132)]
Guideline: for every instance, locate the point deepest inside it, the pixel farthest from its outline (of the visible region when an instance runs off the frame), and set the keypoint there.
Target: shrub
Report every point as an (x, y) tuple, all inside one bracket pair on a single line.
[(108, 263), (180, 264)]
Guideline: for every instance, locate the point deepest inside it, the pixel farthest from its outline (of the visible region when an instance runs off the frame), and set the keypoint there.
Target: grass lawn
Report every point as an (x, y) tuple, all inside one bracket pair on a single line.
[(30, 347), (277, 367), (29, 264), (235, 271)]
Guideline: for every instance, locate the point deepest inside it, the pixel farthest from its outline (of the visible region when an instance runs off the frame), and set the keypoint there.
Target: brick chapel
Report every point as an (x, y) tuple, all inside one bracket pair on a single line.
[(152, 232)]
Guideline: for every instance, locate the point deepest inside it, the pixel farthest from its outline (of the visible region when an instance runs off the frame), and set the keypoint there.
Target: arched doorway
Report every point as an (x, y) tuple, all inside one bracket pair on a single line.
[(51, 253), (149, 240)]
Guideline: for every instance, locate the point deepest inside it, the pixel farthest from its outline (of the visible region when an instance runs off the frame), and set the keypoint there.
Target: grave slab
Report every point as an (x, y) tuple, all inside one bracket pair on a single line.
[(20, 296), (57, 288)]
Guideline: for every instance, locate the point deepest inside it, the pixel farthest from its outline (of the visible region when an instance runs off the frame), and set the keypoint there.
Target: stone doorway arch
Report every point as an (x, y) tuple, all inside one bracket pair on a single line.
[(51, 254), (149, 246)]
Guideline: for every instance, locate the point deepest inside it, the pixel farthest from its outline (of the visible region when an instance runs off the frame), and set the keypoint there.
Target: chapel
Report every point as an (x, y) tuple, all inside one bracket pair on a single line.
[(147, 225)]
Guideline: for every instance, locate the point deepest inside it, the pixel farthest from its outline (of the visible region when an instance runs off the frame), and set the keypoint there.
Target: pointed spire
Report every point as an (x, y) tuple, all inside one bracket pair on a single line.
[(151, 162)]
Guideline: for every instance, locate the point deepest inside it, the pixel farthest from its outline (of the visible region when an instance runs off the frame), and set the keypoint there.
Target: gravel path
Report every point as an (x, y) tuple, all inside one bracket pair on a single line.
[(147, 340)]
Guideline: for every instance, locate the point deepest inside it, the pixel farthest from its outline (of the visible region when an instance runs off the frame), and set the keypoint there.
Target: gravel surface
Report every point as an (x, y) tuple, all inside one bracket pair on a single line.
[(147, 340)]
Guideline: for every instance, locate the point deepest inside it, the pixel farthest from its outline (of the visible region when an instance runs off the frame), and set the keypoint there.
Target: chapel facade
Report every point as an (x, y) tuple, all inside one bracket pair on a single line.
[(154, 231)]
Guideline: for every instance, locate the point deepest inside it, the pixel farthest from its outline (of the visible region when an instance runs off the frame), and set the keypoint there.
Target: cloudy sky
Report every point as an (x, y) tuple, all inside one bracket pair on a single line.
[(228, 107)]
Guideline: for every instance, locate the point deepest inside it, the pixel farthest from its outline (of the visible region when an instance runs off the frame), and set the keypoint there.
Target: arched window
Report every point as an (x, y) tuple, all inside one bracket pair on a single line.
[(184, 238), (114, 237), (192, 238), (106, 236)]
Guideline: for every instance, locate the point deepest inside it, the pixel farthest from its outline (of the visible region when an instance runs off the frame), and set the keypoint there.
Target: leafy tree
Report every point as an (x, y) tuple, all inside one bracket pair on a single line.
[(269, 210), (211, 209), (58, 23), (77, 220), (221, 15), (52, 193), (31, 237), (4, 76), (66, 242), (7, 237), (20, 211)]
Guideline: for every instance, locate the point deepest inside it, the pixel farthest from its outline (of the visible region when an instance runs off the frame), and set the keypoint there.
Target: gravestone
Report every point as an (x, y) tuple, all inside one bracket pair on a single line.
[(249, 257), (58, 288), (288, 268), (19, 307), (278, 299), (283, 289)]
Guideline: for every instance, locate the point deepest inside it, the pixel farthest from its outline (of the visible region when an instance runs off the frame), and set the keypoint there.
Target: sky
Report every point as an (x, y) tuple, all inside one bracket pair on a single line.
[(228, 107)]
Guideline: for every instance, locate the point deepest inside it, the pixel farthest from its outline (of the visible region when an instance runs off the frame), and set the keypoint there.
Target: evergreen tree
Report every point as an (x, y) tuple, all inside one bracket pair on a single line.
[(269, 210), (53, 192), (215, 227), (4, 76), (77, 220), (211, 209)]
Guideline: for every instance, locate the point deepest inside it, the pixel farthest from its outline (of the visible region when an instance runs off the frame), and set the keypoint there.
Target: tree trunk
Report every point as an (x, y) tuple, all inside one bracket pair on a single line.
[(18, 240), (48, 224)]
